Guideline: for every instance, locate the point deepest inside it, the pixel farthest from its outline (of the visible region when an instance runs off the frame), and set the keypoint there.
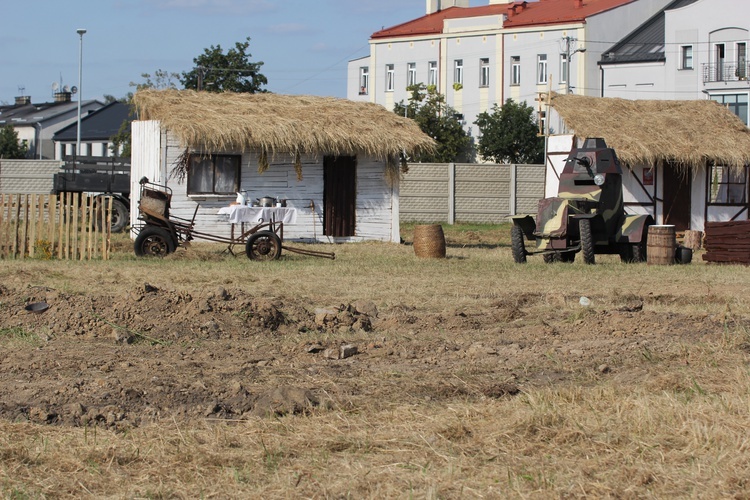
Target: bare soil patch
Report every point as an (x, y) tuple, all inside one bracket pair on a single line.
[(455, 378)]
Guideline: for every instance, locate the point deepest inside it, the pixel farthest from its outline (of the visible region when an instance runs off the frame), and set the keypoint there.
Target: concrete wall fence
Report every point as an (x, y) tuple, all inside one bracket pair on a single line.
[(27, 176), (479, 193)]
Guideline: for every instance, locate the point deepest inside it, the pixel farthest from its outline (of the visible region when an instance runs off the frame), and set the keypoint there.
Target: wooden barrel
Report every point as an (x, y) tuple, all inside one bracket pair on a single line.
[(429, 241), (662, 242)]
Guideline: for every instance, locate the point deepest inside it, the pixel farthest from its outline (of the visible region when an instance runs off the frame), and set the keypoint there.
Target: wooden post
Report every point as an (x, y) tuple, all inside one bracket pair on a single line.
[(83, 232), (2, 226), (33, 223), (109, 227), (61, 225), (17, 201), (52, 216), (693, 240)]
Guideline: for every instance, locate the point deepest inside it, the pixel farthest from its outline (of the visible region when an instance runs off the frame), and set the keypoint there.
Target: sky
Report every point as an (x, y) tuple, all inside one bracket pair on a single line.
[(304, 44)]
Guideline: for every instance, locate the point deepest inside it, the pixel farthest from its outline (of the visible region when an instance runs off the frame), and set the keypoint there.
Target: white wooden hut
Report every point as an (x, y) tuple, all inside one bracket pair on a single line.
[(336, 162), (686, 162)]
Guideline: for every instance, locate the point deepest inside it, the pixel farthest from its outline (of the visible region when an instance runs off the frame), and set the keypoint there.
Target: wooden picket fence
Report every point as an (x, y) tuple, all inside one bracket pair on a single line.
[(66, 226)]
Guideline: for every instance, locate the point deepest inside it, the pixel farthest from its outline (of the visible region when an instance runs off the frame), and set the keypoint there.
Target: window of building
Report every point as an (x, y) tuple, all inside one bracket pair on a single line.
[(213, 174), (432, 74), (719, 61), (364, 80), (411, 74), (563, 68), (515, 70), (728, 186), (458, 71), (686, 58), (737, 103), (390, 77), (742, 61), (541, 68), (484, 72)]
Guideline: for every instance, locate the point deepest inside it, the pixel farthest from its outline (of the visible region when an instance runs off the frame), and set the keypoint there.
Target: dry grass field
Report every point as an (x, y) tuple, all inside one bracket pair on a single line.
[(376, 375)]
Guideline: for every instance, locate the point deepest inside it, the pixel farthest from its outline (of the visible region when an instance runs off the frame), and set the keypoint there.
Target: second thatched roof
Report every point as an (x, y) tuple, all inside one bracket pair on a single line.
[(690, 133), (273, 123)]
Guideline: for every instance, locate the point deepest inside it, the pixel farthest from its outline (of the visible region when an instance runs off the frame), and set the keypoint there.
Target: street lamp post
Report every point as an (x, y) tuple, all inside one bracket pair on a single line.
[(80, 32)]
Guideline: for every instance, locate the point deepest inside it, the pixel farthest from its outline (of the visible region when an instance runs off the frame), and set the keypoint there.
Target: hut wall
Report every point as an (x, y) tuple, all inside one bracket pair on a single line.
[(377, 200)]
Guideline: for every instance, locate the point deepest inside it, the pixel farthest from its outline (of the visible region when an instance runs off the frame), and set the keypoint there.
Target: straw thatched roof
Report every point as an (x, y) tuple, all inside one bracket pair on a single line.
[(273, 123), (690, 133)]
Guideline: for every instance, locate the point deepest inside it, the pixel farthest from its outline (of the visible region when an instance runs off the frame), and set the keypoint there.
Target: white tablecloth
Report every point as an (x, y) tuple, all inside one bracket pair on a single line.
[(242, 213)]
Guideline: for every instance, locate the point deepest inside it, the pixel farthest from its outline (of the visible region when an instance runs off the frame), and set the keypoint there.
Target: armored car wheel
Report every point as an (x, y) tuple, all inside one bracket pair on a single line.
[(516, 244), (587, 241), (636, 252), (263, 245)]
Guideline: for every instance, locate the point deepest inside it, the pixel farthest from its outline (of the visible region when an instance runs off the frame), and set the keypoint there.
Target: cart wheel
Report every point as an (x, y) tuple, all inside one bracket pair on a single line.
[(154, 241), (517, 246), (263, 245)]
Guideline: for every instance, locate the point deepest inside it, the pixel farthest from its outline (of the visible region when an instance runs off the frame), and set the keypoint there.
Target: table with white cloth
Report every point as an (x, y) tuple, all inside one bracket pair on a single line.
[(243, 213)]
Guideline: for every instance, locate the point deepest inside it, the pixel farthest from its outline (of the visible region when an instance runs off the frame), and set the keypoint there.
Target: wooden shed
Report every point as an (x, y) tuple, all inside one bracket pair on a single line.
[(337, 162), (686, 162)]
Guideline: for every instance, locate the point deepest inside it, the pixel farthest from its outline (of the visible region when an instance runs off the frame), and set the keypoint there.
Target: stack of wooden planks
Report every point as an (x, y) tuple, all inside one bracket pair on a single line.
[(727, 242)]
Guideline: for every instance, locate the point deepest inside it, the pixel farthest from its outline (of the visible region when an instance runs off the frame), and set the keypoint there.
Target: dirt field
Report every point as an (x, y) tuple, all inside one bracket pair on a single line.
[(377, 374)]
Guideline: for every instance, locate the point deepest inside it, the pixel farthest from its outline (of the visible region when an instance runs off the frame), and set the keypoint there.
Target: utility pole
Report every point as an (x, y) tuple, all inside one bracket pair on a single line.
[(568, 56)]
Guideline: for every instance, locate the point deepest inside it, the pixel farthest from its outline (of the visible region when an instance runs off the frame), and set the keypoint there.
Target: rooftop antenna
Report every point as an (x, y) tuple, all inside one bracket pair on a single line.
[(21, 90)]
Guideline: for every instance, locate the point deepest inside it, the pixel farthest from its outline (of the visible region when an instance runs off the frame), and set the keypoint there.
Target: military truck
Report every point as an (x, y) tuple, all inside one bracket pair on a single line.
[(97, 175), (587, 216)]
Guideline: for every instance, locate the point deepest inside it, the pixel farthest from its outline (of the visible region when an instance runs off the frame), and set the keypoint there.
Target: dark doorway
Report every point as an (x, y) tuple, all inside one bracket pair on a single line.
[(677, 187), (339, 195)]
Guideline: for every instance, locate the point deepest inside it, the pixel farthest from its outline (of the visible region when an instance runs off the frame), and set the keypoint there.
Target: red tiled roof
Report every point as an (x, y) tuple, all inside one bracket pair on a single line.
[(433, 23), (526, 13), (558, 11)]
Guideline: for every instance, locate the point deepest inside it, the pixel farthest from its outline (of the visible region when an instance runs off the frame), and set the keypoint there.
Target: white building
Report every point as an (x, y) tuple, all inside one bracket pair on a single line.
[(694, 49), (481, 56)]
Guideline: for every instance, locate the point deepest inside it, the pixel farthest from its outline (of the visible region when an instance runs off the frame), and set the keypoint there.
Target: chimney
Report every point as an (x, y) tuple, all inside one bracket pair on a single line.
[(515, 8), (22, 100), (578, 4), (62, 96), (434, 6)]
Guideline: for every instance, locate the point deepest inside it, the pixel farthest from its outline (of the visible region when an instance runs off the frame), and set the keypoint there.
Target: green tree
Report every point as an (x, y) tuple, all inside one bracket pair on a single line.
[(231, 72), (438, 120), (509, 134), (161, 79), (10, 147)]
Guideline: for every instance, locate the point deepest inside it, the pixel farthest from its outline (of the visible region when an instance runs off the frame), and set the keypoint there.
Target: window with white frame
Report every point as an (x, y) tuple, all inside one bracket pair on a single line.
[(728, 185), (432, 74), (213, 174), (515, 70), (736, 103), (411, 74), (390, 77), (484, 72), (364, 80), (563, 68), (541, 68), (686, 57), (458, 71)]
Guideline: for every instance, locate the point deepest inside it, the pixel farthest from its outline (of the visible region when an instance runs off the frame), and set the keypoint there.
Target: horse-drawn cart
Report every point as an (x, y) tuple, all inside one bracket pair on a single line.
[(162, 233)]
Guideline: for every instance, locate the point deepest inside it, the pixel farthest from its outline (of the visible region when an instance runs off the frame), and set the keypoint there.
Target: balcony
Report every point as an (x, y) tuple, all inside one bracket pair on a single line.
[(725, 72)]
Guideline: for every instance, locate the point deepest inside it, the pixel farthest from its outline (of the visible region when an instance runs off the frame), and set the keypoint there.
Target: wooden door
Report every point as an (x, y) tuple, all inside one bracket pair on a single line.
[(339, 195), (677, 188)]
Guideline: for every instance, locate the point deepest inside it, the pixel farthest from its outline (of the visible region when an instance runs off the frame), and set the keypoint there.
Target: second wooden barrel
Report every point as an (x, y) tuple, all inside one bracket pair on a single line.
[(662, 242), (429, 241)]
